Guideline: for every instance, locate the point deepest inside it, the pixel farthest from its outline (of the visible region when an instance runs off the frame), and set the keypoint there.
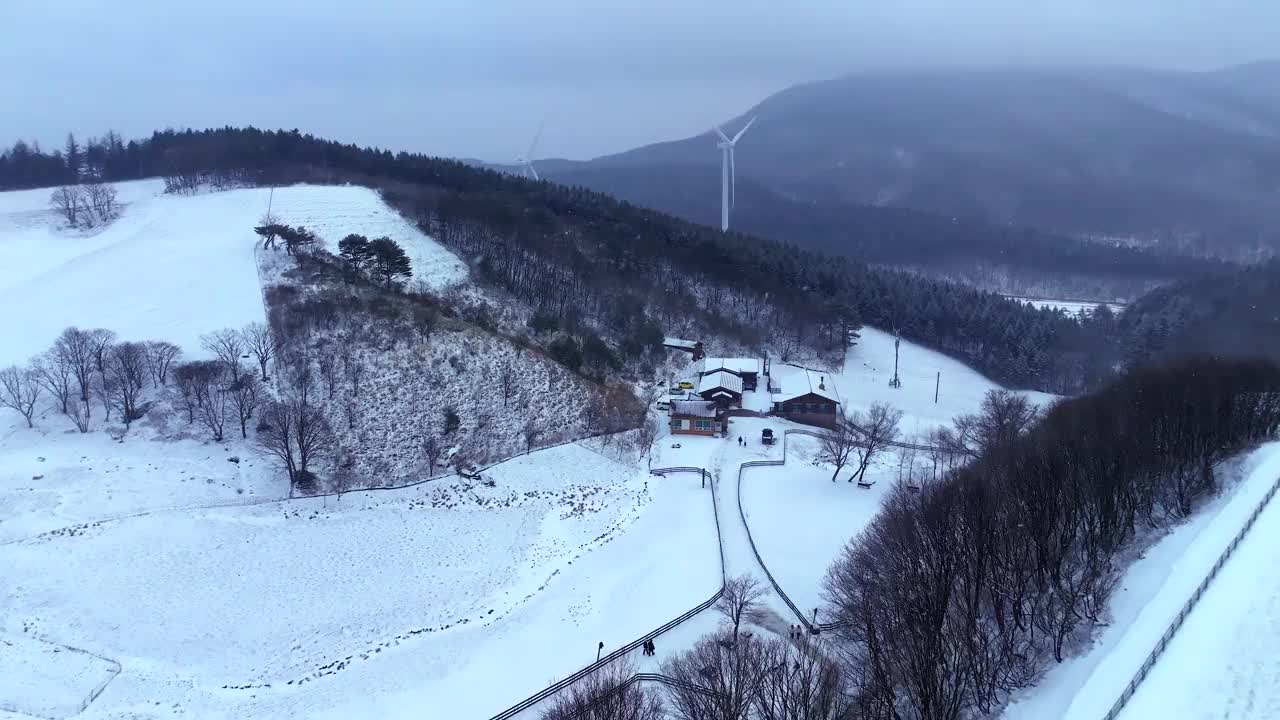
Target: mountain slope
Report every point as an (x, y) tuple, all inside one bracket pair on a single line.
[(1188, 160)]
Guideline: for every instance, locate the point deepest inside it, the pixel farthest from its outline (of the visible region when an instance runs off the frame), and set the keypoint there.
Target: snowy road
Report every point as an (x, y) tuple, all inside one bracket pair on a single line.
[(1223, 663)]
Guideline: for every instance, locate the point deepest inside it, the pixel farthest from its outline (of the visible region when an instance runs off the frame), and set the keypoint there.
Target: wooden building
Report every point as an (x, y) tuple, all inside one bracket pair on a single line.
[(721, 387), (696, 417), (805, 401), (748, 369)]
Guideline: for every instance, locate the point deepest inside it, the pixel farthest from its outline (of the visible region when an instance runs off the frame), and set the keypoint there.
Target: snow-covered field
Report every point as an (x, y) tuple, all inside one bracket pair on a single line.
[(1205, 671), (868, 367), (1071, 306), (801, 520), (172, 267), (403, 596)]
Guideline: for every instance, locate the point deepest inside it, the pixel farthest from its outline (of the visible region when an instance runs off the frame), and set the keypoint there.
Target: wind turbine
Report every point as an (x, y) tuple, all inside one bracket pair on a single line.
[(728, 172), (526, 161)]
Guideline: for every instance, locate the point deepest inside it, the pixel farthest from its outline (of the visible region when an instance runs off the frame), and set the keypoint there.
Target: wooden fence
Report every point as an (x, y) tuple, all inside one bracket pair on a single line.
[(1187, 607), (556, 687)]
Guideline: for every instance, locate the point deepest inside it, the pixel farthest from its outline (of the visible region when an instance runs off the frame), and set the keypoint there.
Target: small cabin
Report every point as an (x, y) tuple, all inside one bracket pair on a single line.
[(748, 369), (807, 402), (696, 417), (721, 387)]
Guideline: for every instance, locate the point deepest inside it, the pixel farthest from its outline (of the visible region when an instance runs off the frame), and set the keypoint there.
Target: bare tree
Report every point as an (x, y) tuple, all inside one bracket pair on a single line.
[(353, 368), (606, 694), (126, 372), (75, 349), (718, 679), (80, 416), (297, 434), (160, 356), (328, 372), (196, 381), (21, 389), (54, 373), (646, 434), (878, 428), (245, 396), (802, 684), (212, 411), (531, 434), (68, 202), (100, 340), (226, 345), (101, 198), (739, 602), (507, 381), (257, 336), (1004, 417), (432, 449), (836, 445)]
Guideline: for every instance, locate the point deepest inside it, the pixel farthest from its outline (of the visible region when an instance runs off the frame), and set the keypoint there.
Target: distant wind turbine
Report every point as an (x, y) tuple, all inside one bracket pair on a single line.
[(526, 161), (728, 172)]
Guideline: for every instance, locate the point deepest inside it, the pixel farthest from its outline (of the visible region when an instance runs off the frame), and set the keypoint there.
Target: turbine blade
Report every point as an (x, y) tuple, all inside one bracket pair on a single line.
[(533, 145), (533, 172), (721, 134), (743, 131)]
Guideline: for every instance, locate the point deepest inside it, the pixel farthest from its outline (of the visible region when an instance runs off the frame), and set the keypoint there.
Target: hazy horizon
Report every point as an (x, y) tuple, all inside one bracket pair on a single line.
[(477, 80)]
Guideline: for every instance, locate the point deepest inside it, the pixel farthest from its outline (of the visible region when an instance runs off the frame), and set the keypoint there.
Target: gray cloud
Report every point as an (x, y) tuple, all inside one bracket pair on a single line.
[(476, 77)]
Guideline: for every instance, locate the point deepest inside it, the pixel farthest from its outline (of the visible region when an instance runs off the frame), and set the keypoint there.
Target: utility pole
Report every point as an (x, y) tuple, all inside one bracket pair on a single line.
[(271, 196), (936, 385), (896, 382)]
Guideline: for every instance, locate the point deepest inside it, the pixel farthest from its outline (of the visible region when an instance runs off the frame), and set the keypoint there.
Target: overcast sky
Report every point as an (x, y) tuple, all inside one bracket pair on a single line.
[(475, 78)]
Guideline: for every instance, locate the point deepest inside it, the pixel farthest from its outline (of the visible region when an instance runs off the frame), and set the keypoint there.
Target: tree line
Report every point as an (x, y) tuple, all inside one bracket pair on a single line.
[(592, 255), (961, 592), (89, 367)]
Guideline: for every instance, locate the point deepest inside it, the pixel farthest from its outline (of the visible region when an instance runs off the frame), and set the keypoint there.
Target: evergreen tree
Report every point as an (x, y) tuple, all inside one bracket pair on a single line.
[(388, 261), (74, 158)]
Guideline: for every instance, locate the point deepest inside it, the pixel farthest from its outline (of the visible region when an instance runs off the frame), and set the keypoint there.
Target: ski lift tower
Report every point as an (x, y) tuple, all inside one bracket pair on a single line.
[(895, 382)]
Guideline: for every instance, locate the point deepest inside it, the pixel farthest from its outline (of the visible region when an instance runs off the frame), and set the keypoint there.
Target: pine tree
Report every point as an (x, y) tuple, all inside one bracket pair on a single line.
[(389, 261), (74, 157)]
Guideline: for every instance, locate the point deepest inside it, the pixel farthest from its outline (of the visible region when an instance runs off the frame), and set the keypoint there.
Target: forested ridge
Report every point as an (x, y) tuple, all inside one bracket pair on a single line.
[(572, 251)]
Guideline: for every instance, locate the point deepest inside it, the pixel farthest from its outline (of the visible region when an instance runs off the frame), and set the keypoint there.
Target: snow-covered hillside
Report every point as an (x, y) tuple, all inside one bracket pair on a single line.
[(172, 267)]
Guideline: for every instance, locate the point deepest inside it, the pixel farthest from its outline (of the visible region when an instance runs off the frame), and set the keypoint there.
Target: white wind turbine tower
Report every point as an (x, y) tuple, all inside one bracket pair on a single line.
[(728, 172), (526, 161)]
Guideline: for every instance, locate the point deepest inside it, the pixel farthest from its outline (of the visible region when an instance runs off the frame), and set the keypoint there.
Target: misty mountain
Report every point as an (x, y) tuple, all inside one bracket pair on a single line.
[(939, 245), (1187, 161)]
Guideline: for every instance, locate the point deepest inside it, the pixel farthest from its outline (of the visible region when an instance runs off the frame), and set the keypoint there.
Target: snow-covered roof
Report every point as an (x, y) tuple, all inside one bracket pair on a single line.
[(802, 381), (678, 343), (738, 365), (693, 408), (720, 379)]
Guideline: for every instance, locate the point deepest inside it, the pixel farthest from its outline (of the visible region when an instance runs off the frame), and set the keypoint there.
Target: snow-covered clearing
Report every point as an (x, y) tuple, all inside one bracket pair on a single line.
[(801, 520), (1073, 307), (407, 596), (56, 480), (868, 367), (50, 681), (172, 267), (1152, 593)]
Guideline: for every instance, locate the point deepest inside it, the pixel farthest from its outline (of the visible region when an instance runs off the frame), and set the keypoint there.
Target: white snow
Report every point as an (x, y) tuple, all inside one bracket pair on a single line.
[(172, 267), (49, 681), (380, 603), (801, 520), (1073, 307), (1223, 662), (1153, 590), (868, 367)]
